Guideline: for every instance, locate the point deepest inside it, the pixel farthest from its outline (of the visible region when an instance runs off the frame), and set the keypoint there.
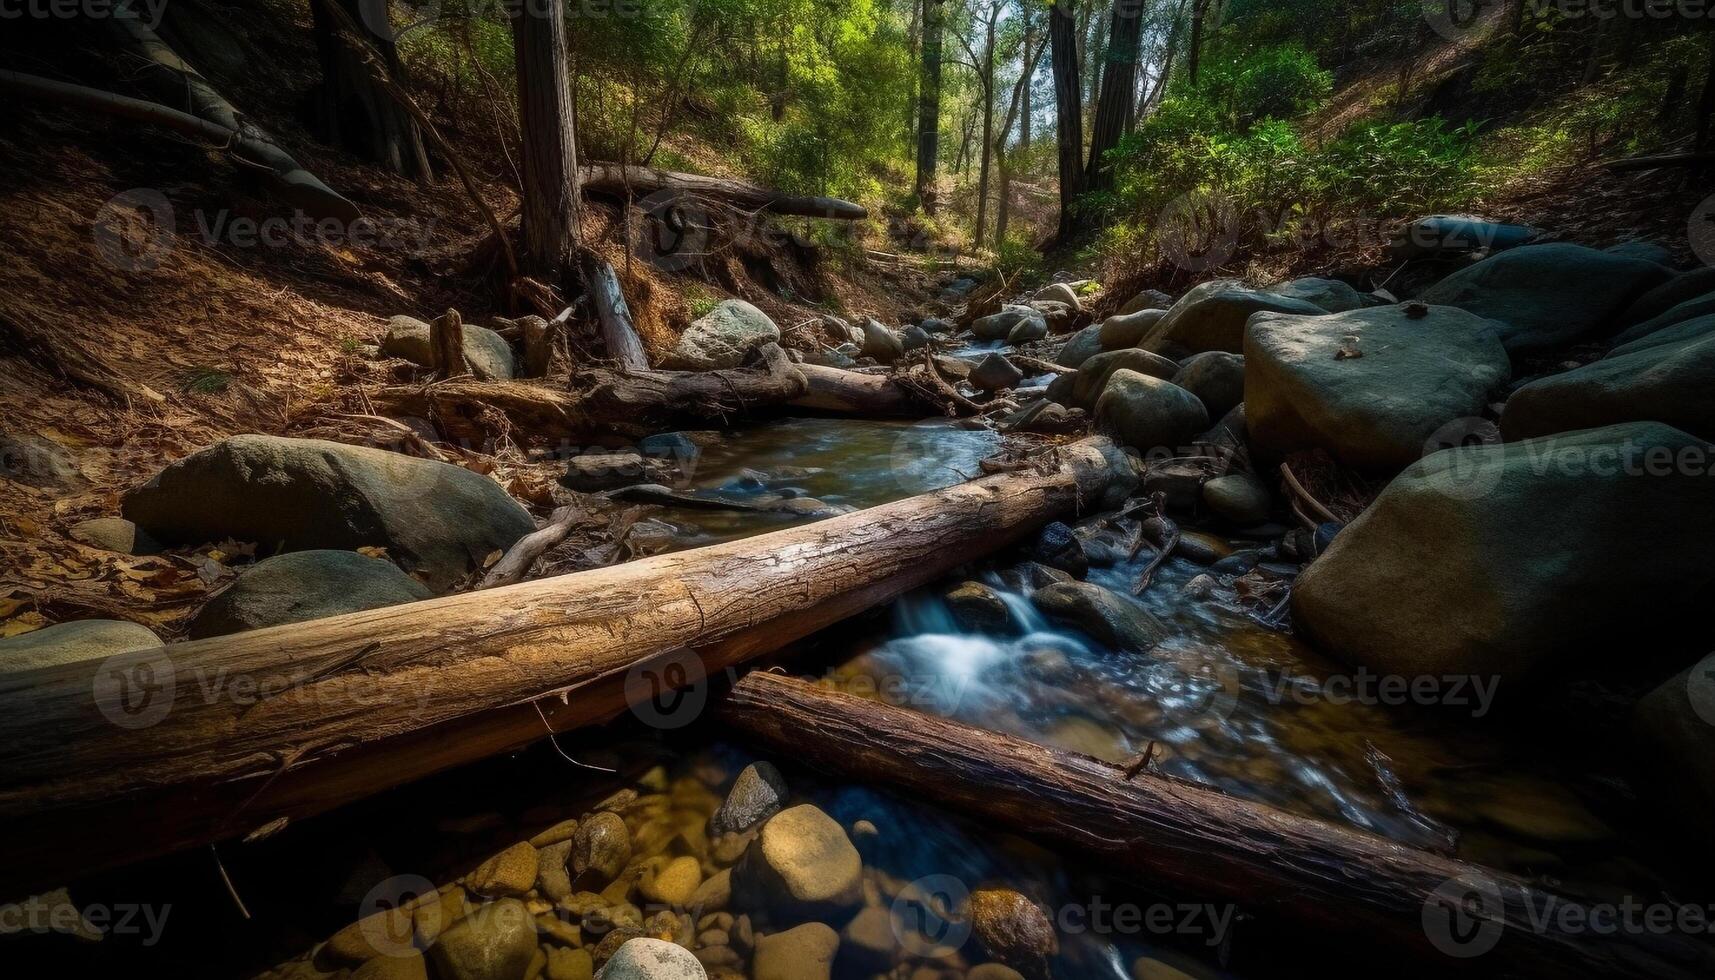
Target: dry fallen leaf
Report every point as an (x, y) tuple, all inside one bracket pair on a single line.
[(26, 623)]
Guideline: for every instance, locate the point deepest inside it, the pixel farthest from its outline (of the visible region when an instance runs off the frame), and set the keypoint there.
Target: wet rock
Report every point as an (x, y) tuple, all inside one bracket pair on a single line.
[(570, 964), (1201, 587), (1201, 549), (1442, 235), (758, 793), (979, 608), (997, 326), (1104, 615), (1179, 480), (1669, 382), (868, 943), (1547, 295), (913, 338), (37, 461), (1230, 434), (805, 952), (67, 643), (1673, 734), (1094, 376), (714, 894), (1647, 251), (1239, 498), (299, 494), (1370, 387), (305, 585), (595, 472), (114, 534), (1237, 563), (995, 373), (1128, 329), (1212, 317), (673, 883), (562, 831), (1147, 413), (602, 846), (1013, 930), (801, 866), (1148, 299), (1681, 289), (488, 354), (938, 325), (1057, 547), (1027, 331), (723, 337), (1059, 292), (553, 870), (1085, 344), (1498, 560), (494, 942), (1330, 294), (408, 966), (511, 872), (652, 959), (1674, 324), (881, 343), (1216, 377)]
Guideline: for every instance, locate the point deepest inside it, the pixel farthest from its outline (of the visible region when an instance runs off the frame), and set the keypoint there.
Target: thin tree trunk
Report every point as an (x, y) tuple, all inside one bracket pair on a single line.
[(1068, 110), (988, 127), (550, 192), (1032, 52), (929, 104), (355, 112), (1199, 8), (1119, 89)]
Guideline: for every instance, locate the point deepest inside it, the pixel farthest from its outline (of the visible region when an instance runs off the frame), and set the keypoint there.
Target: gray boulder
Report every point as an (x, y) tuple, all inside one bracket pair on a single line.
[(488, 353), (1104, 615), (1695, 308), (1146, 413), (1148, 299), (595, 472), (978, 608), (1686, 285), (997, 326), (299, 494), (1212, 317), (758, 793), (1128, 330), (1504, 559), (114, 534), (1370, 386), (1085, 344), (913, 338), (723, 337), (935, 324), (1027, 331), (881, 343), (1330, 294), (1666, 382), (304, 585), (995, 372), (67, 643), (1059, 292), (1093, 377), (37, 461), (1672, 334), (1239, 498), (1216, 377), (1548, 295), (1648, 251), (647, 958), (1439, 235)]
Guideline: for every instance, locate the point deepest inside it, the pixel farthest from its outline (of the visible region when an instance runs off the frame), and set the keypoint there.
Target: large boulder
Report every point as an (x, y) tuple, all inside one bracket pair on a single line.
[(803, 952), (1673, 729), (303, 585), (801, 866), (1128, 329), (1059, 292), (1094, 375), (436, 520), (1212, 317), (1370, 386), (881, 343), (1439, 235), (1330, 294), (495, 942), (1695, 308), (1027, 331), (1682, 332), (1148, 413), (994, 373), (647, 958), (1216, 377), (1148, 299), (1548, 295), (67, 643), (488, 353), (1686, 285), (1669, 382), (1085, 344), (1105, 615), (1499, 560), (723, 337), (997, 326)]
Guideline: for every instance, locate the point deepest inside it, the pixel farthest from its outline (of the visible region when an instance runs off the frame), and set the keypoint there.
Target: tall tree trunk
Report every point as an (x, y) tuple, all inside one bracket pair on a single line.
[(914, 43), (550, 192), (1172, 48), (1119, 89), (929, 103), (1199, 8), (988, 126), (352, 110), (1068, 109), (1029, 79)]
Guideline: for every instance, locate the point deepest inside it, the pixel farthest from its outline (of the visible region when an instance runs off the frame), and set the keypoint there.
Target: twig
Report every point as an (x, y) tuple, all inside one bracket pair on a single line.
[(1303, 494)]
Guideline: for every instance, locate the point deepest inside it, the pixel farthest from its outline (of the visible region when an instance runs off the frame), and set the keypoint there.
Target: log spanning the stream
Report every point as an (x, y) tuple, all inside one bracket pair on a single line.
[(106, 762), (1198, 842), (614, 180)]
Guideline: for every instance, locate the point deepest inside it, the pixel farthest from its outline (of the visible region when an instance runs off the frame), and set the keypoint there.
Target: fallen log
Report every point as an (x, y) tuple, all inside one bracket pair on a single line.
[(614, 316), (615, 180), (211, 739), (850, 393), (1196, 841)]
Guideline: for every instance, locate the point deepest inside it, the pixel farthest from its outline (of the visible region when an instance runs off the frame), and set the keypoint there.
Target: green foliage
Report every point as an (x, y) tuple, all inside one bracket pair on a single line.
[(207, 381)]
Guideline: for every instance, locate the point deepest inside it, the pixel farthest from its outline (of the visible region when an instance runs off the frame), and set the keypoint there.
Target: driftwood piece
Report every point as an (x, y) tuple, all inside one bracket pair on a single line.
[(446, 345), (615, 180), (213, 738), (637, 403), (850, 393), (1327, 880), (613, 315), (516, 563)]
